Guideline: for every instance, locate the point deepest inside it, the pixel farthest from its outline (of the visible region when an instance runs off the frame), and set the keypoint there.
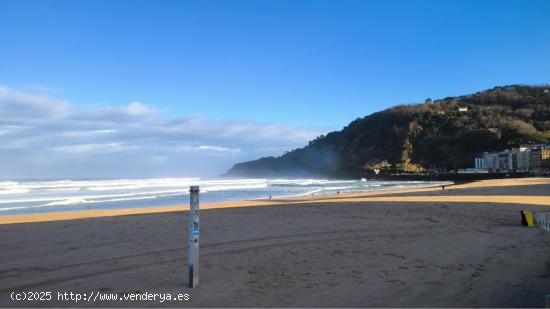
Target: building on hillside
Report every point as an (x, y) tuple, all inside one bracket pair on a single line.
[(463, 109), (479, 163), (539, 157), (505, 161), (523, 159), (514, 159), (428, 101), (490, 161)]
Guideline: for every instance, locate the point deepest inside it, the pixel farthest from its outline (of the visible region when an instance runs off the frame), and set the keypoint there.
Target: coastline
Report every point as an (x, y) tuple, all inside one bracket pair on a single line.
[(377, 249), (367, 196), (35, 197), (99, 213)]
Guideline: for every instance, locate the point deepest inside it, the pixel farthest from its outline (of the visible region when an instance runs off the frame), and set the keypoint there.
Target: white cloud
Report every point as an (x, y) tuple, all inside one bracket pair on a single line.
[(43, 136), (9, 129), (87, 134), (27, 105), (138, 109), (218, 149), (89, 149)]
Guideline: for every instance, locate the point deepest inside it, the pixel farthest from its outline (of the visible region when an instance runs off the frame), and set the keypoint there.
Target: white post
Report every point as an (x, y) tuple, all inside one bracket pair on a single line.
[(194, 237)]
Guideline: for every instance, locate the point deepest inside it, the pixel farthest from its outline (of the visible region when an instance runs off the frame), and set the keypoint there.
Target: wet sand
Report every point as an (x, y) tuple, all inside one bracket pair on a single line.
[(459, 247)]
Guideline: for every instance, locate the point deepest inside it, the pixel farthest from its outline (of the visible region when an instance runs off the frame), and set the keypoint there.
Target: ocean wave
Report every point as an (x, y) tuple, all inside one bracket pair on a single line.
[(4, 209), (60, 194), (14, 191), (233, 187), (4, 184), (71, 201), (306, 182), (86, 197)]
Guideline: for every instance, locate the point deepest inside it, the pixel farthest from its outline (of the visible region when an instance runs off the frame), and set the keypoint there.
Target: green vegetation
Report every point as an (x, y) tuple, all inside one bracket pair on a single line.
[(420, 137)]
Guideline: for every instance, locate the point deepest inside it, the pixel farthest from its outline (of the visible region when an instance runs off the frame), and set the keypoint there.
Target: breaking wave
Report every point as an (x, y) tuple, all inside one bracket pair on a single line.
[(67, 194)]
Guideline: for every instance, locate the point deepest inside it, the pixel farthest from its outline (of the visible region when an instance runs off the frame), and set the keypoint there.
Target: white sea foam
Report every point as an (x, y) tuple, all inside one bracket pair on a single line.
[(14, 191), (71, 201)]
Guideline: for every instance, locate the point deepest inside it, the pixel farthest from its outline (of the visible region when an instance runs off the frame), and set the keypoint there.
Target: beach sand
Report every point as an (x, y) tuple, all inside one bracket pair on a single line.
[(459, 247)]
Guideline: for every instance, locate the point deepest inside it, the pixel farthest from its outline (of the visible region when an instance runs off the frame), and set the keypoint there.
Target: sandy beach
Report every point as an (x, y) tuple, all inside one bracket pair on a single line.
[(459, 247)]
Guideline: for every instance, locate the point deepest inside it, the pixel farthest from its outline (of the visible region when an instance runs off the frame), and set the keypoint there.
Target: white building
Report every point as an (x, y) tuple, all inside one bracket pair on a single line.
[(505, 161), (524, 163), (520, 159), (479, 164), (490, 161)]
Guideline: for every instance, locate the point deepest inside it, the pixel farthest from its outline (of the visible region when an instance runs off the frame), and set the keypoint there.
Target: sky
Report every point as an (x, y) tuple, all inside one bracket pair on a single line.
[(109, 89)]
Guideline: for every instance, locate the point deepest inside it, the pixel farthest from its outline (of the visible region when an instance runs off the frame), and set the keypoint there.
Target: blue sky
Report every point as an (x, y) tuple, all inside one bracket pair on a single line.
[(298, 66)]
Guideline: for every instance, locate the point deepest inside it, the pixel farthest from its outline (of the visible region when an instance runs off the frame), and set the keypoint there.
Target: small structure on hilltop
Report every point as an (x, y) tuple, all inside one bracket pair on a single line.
[(428, 101), (463, 109)]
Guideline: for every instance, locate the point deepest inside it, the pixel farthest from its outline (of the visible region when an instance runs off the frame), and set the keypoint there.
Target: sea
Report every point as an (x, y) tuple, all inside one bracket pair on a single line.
[(59, 195)]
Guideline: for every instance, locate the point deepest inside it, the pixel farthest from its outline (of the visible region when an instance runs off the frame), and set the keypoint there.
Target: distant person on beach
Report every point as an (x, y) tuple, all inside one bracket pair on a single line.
[(443, 187), (270, 197)]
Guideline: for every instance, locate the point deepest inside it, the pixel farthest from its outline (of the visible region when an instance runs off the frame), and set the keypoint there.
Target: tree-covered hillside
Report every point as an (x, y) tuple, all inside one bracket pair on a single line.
[(413, 138)]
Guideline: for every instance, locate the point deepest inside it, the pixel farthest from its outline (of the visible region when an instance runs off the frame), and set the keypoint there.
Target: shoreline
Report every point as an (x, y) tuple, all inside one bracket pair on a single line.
[(377, 249), (84, 206), (365, 196)]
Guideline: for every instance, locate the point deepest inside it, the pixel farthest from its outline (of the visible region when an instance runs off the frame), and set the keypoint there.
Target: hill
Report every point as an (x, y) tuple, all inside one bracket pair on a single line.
[(442, 134)]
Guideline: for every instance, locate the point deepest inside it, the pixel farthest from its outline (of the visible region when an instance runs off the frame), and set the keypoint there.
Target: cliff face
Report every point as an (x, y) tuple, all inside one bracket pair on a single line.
[(445, 134)]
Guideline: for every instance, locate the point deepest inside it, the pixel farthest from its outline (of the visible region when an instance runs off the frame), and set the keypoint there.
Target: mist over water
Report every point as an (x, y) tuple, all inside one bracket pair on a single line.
[(24, 197)]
